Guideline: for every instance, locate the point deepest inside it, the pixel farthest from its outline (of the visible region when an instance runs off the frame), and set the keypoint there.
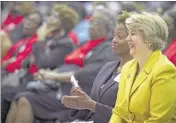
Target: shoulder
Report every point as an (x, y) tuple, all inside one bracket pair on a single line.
[(65, 41), (129, 64), (108, 65), (164, 67)]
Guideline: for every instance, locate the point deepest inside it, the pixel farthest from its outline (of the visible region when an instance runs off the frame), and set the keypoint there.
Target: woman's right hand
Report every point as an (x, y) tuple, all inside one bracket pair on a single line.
[(78, 100), (74, 91)]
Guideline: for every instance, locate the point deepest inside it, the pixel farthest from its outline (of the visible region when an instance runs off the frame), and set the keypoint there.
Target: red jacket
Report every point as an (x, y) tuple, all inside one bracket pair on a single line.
[(170, 52), (21, 55)]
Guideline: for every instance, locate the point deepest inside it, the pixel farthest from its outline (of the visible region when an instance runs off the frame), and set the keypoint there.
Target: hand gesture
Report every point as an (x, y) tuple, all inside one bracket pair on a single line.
[(78, 100)]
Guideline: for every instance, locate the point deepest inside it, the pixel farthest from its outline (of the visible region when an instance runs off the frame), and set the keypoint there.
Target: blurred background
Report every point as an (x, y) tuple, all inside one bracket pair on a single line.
[(67, 36)]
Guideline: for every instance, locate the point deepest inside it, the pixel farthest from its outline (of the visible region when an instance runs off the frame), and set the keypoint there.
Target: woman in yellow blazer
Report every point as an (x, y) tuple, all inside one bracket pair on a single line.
[(147, 90)]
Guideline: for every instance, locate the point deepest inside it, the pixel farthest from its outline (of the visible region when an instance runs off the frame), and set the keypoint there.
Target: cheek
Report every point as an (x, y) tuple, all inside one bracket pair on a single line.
[(142, 46)]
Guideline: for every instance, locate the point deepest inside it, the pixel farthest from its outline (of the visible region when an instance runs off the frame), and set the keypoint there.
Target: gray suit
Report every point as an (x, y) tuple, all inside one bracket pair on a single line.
[(104, 92), (17, 33)]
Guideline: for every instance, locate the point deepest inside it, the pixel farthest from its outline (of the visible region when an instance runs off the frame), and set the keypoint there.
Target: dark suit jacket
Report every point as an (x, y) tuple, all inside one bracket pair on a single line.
[(56, 52), (93, 62), (104, 92), (17, 33)]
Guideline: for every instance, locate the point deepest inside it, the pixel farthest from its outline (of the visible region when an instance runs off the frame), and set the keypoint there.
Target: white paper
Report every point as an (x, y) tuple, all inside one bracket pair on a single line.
[(117, 78)]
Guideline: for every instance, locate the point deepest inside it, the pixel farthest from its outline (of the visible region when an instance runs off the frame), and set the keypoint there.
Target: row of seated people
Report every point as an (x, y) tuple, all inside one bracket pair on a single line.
[(87, 70), (84, 62)]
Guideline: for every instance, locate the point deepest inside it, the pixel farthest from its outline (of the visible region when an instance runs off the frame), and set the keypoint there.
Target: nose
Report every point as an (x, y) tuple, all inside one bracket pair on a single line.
[(128, 38), (114, 40)]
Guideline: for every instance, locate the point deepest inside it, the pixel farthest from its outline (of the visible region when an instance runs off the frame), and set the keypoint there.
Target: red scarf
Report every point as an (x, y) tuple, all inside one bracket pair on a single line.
[(11, 22), (77, 56), (20, 55), (170, 52)]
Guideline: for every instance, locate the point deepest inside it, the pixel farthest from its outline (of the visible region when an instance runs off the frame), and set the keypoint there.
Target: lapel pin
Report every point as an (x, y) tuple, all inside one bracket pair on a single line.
[(128, 76)]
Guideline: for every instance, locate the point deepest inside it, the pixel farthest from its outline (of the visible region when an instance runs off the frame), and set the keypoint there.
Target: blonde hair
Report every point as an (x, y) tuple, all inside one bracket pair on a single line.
[(153, 29), (5, 44), (68, 16)]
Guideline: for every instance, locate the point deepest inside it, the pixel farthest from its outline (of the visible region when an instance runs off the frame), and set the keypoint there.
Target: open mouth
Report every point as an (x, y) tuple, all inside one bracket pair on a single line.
[(132, 46), (114, 45)]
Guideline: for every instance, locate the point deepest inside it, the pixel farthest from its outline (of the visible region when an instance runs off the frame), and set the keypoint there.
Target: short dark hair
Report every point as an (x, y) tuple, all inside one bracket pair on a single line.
[(122, 17)]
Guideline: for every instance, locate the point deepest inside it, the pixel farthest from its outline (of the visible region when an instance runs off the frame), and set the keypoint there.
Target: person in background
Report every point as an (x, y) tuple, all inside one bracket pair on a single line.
[(19, 51), (98, 107), (51, 23), (92, 56), (170, 51), (5, 44), (51, 52), (170, 18), (149, 78), (18, 10)]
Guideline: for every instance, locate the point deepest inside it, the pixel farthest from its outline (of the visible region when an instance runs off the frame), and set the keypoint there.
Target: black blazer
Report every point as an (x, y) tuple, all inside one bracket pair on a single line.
[(104, 92), (53, 56), (93, 62)]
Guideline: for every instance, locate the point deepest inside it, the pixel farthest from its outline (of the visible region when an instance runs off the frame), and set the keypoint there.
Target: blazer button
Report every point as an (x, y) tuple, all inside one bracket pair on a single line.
[(128, 76)]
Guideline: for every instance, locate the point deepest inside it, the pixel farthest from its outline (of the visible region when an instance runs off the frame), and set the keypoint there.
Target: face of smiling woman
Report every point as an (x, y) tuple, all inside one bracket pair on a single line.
[(136, 43)]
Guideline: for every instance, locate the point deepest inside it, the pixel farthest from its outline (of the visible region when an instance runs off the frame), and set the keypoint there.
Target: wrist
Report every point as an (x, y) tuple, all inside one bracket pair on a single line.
[(92, 105), (54, 76)]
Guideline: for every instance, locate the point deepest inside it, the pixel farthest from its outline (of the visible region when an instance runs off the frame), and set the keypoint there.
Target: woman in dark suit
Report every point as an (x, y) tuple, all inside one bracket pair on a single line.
[(99, 106)]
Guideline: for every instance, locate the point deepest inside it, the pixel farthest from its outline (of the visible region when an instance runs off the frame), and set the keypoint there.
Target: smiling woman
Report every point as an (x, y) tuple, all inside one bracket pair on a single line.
[(62, 18), (149, 78), (105, 87)]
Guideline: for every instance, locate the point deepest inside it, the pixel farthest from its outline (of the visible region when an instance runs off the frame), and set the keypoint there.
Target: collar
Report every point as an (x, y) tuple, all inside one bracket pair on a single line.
[(149, 63)]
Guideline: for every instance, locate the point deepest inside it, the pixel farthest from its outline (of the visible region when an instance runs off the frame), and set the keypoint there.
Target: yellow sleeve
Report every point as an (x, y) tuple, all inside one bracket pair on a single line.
[(163, 97), (115, 118)]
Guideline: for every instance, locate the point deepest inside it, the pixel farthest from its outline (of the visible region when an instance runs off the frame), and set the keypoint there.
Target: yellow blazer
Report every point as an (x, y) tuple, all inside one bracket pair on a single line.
[(151, 97)]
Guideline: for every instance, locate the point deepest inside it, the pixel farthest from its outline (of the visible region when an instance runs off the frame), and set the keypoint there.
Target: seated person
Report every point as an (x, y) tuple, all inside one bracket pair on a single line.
[(48, 27), (98, 107), (170, 51), (18, 10), (19, 51), (5, 44), (51, 52), (36, 104), (147, 84)]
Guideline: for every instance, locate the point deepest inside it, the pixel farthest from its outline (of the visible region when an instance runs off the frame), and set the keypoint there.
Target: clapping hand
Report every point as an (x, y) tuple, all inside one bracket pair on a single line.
[(78, 100)]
